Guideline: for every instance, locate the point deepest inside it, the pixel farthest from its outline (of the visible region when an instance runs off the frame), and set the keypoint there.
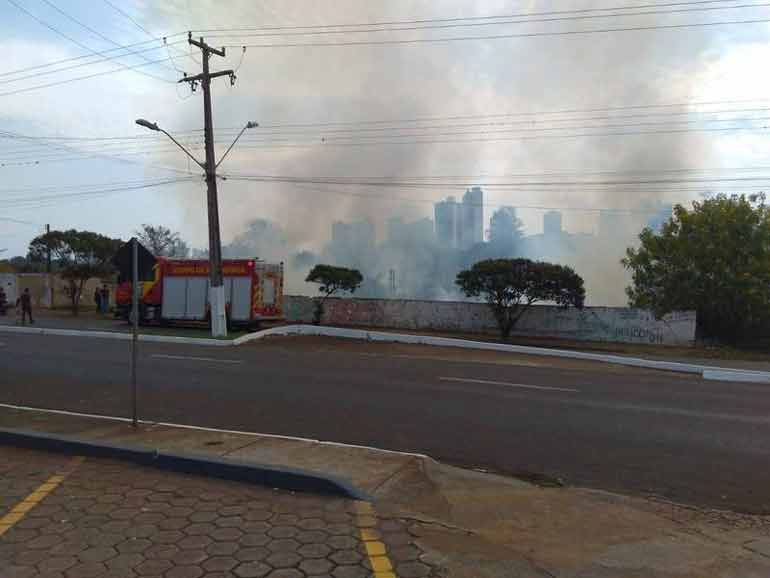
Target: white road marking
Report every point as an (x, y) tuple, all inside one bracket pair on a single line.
[(507, 384), (189, 358), (209, 429)]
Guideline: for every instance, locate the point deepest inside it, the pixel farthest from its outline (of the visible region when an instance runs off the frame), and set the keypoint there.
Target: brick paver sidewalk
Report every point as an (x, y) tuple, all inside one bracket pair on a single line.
[(63, 517)]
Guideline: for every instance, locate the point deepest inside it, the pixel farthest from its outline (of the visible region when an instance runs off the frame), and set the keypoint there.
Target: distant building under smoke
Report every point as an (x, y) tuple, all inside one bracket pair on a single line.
[(420, 231), (460, 225), (504, 228)]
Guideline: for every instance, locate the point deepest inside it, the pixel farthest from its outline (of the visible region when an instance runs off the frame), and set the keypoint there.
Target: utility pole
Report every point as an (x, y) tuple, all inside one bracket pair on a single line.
[(135, 295), (217, 289), (48, 269)]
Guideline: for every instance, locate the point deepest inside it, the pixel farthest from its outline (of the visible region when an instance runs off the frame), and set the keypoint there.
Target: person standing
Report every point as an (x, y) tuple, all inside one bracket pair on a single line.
[(98, 300), (26, 307), (105, 299)]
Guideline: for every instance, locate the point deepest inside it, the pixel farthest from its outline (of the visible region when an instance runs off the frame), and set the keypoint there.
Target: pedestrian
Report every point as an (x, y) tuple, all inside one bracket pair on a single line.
[(98, 300), (3, 301), (25, 302), (105, 299)]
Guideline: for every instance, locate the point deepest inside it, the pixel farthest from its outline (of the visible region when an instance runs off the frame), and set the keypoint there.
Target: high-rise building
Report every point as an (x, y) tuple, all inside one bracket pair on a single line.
[(461, 225), (416, 232), (447, 215), (552, 225), (358, 234), (503, 227), (472, 219)]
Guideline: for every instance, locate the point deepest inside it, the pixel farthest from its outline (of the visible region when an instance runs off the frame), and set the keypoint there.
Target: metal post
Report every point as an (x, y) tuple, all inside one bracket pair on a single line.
[(135, 318), (48, 269)]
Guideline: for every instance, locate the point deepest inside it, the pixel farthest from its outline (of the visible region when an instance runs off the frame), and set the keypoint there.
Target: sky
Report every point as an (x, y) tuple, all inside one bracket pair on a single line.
[(429, 97)]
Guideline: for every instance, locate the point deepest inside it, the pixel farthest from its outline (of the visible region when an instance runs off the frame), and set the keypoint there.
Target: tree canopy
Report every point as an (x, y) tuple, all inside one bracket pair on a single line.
[(332, 280), (713, 258), (79, 256), (162, 241), (511, 286)]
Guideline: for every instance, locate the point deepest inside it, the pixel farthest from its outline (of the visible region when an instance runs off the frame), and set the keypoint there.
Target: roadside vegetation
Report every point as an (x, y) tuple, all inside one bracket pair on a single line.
[(511, 286), (713, 258), (332, 280)]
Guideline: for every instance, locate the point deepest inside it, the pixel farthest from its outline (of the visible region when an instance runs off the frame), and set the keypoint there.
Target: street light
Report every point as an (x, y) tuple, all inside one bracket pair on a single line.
[(250, 124), (147, 124), (209, 166), (154, 126)]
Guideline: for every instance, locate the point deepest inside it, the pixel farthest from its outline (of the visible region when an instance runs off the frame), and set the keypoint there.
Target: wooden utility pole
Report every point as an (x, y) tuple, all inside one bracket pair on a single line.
[(217, 289)]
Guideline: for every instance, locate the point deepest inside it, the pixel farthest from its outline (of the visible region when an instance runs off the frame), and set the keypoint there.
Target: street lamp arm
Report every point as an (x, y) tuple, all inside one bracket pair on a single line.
[(188, 153), (249, 124)]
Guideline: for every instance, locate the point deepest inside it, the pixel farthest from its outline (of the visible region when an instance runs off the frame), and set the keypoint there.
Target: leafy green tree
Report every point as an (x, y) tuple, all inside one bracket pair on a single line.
[(79, 256), (714, 259), (511, 286), (162, 241), (332, 280)]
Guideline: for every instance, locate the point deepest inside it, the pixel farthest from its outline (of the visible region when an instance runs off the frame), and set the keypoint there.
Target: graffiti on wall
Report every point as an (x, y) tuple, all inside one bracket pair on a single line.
[(587, 324)]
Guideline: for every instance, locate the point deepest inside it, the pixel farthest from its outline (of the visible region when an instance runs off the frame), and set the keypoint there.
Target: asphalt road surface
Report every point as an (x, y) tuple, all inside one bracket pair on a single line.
[(594, 425)]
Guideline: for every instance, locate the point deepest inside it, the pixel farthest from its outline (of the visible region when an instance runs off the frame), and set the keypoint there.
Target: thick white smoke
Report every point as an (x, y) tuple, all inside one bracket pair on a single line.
[(312, 85)]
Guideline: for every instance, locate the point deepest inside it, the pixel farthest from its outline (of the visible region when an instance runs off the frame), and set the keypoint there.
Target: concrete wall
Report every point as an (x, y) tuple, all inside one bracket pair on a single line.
[(588, 324), (39, 287)]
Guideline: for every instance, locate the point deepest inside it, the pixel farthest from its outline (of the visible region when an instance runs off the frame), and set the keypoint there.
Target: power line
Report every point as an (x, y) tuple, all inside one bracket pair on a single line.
[(498, 36), (475, 18), (71, 39), (20, 222), (85, 77), (402, 184), (94, 32), (143, 29), (541, 132), (412, 200), (82, 64), (331, 143), (13, 135), (487, 23), (367, 122), (81, 57), (20, 192), (24, 203), (428, 141)]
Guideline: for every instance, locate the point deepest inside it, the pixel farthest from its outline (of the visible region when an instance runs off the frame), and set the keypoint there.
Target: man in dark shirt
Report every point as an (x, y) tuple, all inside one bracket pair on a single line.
[(26, 307)]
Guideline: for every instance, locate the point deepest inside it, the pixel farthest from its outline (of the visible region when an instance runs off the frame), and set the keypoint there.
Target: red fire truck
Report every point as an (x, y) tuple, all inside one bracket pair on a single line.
[(180, 288)]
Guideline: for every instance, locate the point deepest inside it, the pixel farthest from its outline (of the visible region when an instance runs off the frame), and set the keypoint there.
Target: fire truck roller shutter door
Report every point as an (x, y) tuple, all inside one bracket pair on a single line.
[(174, 297), (240, 301)]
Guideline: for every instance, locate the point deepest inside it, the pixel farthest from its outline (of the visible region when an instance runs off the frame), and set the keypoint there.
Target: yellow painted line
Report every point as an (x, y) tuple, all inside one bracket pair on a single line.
[(366, 519), (20, 510)]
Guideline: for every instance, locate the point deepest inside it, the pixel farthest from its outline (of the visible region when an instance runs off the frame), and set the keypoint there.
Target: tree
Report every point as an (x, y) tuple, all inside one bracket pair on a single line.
[(332, 279), (511, 286), (79, 256), (714, 259), (162, 241)]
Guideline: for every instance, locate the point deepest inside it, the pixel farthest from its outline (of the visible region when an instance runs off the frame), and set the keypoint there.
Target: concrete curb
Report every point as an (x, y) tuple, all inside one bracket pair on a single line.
[(722, 374), (122, 336), (706, 371), (239, 471)]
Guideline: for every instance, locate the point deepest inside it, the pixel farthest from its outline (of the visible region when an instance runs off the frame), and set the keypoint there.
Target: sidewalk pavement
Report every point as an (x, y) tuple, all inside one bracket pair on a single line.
[(430, 519)]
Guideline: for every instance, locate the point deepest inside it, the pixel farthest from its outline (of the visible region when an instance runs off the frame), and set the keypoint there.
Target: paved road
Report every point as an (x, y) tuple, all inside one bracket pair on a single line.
[(594, 425)]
